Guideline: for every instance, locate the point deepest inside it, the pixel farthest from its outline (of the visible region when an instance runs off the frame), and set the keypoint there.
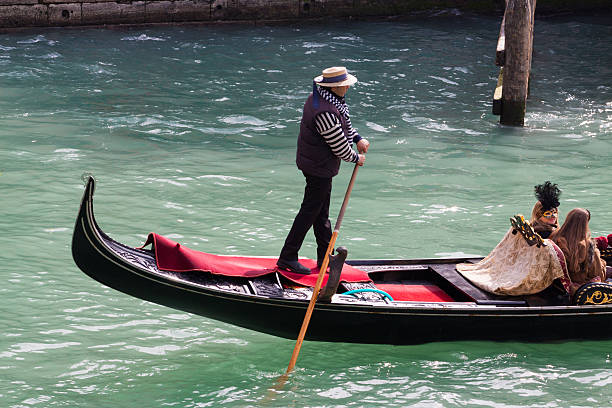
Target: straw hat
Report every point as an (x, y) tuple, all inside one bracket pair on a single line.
[(335, 76)]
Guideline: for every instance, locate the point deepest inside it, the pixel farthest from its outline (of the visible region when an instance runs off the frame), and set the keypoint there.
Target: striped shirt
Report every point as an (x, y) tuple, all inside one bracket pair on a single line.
[(328, 125)]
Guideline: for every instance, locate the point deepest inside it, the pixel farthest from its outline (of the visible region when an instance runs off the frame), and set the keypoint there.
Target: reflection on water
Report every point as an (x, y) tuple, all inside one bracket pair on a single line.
[(191, 133)]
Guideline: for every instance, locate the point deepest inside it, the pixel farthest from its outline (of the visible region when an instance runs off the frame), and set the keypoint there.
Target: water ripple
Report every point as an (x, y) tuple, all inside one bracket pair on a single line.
[(142, 37)]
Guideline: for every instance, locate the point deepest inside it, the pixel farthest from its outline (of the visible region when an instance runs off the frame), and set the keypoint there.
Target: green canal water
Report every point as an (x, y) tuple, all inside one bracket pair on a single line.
[(191, 133)]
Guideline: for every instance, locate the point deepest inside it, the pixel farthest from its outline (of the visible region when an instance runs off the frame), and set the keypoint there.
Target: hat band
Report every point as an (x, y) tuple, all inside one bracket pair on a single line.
[(338, 78), (328, 80)]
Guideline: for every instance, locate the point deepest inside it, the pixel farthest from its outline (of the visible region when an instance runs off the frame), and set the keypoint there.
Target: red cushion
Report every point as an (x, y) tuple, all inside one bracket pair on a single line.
[(415, 293), (172, 256)]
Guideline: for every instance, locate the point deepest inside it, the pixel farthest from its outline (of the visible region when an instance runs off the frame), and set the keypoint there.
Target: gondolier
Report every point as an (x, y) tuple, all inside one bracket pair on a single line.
[(326, 137)]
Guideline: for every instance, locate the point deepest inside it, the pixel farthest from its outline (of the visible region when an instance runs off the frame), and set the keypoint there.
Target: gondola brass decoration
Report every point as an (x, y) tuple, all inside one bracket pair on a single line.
[(598, 298), (594, 294)]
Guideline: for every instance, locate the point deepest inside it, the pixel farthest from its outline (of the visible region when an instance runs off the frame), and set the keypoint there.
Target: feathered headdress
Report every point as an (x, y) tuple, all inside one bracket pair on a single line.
[(548, 195)]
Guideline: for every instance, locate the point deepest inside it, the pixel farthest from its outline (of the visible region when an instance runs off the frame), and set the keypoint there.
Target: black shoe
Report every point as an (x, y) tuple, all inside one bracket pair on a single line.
[(293, 266)]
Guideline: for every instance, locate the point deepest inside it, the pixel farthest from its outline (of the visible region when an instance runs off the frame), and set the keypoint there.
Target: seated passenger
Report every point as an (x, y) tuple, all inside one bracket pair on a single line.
[(517, 266), (545, 213), (582, 256)]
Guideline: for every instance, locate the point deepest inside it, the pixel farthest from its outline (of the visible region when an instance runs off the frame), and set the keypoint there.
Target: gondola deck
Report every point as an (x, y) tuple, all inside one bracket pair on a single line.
[(274, 305)]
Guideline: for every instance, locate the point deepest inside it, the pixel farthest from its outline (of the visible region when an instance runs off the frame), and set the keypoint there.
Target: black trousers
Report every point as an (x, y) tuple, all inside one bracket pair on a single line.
[(314, 212)]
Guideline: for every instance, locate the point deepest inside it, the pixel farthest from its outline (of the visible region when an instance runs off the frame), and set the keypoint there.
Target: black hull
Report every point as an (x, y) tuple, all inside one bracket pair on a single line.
[(231, 300)]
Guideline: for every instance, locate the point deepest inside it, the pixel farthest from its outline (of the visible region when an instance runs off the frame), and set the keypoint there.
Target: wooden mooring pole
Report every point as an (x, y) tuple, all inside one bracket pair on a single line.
[(514, 49)]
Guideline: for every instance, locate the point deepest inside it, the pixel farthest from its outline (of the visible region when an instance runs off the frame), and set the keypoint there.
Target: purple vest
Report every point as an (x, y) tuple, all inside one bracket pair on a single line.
[(314, 156)]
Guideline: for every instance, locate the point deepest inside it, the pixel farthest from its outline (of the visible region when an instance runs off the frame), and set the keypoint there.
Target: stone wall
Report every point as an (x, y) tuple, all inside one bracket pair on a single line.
[(39, 13), (53, 13)]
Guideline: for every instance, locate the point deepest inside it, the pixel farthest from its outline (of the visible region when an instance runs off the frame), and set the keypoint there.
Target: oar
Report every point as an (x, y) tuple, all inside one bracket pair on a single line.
[(322, 271)]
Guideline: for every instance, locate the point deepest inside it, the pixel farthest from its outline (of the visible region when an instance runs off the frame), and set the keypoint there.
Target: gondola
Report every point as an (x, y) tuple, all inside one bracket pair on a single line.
[(399, 301)]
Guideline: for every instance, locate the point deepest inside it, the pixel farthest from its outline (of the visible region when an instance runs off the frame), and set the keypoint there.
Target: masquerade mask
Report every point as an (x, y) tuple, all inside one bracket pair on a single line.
[(550, 213)]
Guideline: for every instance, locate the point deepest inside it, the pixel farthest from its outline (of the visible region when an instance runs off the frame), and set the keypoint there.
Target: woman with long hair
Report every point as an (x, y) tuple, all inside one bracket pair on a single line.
[(582, 257)]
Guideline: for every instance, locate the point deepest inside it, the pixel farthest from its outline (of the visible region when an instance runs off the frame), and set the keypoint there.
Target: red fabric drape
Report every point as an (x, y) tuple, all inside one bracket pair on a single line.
[(172, 256)]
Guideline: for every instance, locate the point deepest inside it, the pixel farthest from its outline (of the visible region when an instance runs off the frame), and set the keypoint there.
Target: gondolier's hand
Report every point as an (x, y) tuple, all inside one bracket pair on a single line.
[(361, 159), (363, 145)]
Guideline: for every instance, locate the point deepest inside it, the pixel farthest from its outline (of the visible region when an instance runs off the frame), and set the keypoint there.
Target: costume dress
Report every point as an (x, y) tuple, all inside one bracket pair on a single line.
[(516, 268)]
